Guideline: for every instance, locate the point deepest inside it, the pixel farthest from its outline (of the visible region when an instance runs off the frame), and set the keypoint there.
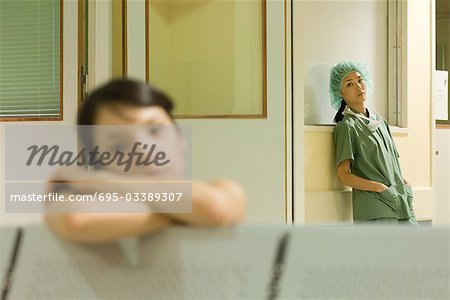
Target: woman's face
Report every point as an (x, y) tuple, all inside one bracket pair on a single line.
[(140, 128), (353, 89)]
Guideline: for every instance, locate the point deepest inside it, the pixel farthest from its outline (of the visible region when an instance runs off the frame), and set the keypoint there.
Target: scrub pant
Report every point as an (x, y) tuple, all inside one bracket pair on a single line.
[(390, 221)]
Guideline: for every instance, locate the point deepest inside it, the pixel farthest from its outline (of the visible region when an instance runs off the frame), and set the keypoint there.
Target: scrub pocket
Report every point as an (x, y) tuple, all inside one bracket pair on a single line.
[(389, 197), (409, 198), (409, 194)]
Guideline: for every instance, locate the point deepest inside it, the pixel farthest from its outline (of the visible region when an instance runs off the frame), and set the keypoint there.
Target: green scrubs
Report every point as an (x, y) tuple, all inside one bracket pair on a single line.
[(374, 157)]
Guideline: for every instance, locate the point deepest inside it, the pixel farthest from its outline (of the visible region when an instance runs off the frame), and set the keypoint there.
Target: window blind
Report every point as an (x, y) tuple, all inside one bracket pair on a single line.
[(29, 58)]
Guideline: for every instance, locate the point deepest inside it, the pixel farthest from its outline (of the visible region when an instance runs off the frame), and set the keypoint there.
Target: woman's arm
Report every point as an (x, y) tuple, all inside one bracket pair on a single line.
[(218, 203), (104, 227), (345, 176)]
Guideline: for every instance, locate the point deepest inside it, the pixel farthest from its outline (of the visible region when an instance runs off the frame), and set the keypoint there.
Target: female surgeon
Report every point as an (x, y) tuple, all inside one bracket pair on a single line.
[(127, 102), (366, 156)]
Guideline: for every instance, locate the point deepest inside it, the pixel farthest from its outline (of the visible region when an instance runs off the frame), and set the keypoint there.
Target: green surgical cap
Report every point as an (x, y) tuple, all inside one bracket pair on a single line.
[(337, 75)]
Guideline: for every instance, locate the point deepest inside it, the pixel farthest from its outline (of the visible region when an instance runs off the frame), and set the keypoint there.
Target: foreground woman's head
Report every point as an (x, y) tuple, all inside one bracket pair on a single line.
[(129, 102), (124, 101)]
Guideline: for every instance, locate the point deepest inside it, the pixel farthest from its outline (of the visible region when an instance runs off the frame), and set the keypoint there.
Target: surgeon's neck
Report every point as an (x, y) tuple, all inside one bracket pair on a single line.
[(361, 108)]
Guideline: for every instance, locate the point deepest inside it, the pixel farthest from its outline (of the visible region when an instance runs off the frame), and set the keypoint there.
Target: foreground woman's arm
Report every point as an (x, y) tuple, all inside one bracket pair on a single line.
[(220, 203), (217, 203), (104, 227)]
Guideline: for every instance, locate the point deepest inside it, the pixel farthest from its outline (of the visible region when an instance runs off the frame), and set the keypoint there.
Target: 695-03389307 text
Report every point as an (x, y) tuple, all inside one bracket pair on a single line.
[(101, 197)]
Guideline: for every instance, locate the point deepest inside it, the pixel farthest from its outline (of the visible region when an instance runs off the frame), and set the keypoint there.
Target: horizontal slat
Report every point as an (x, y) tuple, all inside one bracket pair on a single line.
[(28, 94), (41, 86), (48, 90), (31, 65), (7, 81), (29, 57), (17, 34), (46, 81), (31, 96), (32, 53), (45, 86), (41, 11), (49, 79), (42, 16), (13, 36), (44, 28), (48, 96), (24, 76), (27, 9), (33, 104), (28, 30), (35, 108), (27, 109), (31, 40), (20, 69), (30, 104), (30, 89), (29, 116), (27, 4), (47, 47), (51, 61), (30, 101), (29, 113), (12, 65)]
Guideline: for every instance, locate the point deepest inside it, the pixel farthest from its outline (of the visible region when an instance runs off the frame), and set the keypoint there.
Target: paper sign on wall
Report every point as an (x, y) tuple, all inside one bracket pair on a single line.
[(441, 95)]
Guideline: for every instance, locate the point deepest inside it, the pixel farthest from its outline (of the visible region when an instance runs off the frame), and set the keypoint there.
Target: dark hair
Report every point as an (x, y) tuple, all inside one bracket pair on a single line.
[(340, 114), (122, 92)]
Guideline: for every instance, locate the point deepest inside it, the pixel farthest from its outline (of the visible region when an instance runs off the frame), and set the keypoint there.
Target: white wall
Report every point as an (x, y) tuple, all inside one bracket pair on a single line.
[(342, 30)]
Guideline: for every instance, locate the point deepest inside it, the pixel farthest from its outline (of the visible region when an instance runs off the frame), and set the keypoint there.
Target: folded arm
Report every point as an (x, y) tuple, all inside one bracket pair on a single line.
[(217, 203), (104, 227)]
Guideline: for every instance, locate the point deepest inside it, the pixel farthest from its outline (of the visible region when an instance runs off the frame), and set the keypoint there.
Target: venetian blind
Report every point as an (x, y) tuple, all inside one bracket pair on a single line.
[(29, 58)]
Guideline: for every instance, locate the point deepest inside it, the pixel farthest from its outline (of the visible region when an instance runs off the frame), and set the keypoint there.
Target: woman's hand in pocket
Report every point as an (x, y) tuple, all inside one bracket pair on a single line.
[(381, 187)]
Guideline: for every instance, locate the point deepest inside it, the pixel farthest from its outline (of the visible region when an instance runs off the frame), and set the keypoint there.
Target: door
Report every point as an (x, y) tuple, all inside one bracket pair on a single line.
[(250, 146)]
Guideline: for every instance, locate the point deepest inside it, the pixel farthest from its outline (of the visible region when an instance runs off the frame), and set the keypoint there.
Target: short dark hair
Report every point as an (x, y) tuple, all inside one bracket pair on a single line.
[(123, 92)]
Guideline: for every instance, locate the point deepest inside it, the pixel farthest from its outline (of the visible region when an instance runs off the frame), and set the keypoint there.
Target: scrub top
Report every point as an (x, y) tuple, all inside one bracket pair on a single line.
[(374, 157)]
